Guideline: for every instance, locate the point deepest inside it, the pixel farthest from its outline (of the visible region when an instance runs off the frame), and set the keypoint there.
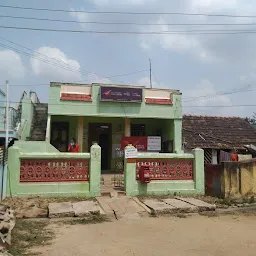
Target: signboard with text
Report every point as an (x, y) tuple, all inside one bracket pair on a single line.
[(150, 143), (130, 153), (138, 142), (120, 94), (154, 143)]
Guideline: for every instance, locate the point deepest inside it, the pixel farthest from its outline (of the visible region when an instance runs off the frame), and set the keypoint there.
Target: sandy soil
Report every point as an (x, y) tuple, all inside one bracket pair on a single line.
[(191, 236)]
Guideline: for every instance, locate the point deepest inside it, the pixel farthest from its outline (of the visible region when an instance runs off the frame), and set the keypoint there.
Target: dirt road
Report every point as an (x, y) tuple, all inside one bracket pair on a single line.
[(191, 236)]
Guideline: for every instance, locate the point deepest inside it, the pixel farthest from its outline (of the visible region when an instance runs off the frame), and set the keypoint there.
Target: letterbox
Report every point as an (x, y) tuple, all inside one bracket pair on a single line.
[(144, 174)]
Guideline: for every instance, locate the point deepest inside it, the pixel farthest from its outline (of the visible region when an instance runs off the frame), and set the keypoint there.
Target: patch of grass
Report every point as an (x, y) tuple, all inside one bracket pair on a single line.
[(181, 215), (153, 214), (209, 214), (27, 234), (85, 221), (252, 200), (247, 212)]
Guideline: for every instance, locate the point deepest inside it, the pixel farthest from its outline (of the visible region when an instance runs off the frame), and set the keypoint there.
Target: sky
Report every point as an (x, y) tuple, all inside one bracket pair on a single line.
[(211, 70)]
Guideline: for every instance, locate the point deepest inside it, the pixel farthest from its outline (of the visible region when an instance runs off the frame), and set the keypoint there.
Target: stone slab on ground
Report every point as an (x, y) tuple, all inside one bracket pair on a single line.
[(34, 212), (160, 207), (202, 206), (181, 205), (86, 208), (121, 207), (61, 210)]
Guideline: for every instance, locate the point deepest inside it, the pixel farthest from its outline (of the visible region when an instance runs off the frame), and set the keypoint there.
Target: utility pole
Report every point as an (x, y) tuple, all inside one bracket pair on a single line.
[(150, 77), (4, 174), (7, 115)]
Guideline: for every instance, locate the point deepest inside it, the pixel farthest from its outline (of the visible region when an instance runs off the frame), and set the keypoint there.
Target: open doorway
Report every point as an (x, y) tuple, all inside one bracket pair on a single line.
[(101, 133), (60, 135)]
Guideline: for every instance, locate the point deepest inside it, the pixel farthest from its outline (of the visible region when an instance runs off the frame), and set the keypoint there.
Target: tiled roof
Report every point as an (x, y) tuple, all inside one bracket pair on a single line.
[(217, 132)]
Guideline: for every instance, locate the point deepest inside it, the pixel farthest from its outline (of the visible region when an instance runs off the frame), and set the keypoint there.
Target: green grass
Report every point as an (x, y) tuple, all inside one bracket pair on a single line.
[(85, 221), (27, 234)]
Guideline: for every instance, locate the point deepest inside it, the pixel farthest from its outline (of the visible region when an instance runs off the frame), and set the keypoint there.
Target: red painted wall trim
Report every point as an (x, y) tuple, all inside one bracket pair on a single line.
[(76, 97), (158, 101)]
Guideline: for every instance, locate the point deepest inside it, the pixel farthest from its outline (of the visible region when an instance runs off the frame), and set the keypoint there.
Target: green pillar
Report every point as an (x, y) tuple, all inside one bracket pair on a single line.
[(199, 170), (13, 173), (177, 138), (130, 176), (95, 170)]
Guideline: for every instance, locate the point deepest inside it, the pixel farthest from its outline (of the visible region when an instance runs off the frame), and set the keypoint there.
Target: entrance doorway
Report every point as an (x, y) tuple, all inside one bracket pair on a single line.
[(101, 133), (60, 135)]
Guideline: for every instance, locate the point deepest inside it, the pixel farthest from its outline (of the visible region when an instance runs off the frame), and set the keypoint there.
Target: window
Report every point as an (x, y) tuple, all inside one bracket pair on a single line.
[(138, 130)]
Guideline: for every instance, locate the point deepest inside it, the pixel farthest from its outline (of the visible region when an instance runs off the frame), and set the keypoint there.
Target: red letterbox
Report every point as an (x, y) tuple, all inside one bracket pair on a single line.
[(144, 174)]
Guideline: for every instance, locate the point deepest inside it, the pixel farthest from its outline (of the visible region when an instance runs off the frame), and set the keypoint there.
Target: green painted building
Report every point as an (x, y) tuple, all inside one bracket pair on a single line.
[(104, 119), (79, 111)]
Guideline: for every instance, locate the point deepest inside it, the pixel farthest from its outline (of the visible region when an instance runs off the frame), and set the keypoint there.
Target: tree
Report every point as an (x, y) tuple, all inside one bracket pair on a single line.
[(252, 120)]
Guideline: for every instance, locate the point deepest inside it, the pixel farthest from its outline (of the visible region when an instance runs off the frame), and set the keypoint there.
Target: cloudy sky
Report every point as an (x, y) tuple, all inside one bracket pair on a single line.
[(209, 68)]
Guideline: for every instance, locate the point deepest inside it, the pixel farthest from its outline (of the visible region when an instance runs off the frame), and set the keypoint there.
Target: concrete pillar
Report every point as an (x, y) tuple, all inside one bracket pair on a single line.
[(48, 129), (80, 132), (10, 186), (199, 170), (246, 177), (127, 127), (254, 177), (95, 170), (177, 136), (130, 176)]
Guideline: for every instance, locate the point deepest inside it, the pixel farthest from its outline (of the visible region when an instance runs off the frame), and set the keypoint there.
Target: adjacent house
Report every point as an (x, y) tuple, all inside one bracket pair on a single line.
[(215, 134), (14, 116)]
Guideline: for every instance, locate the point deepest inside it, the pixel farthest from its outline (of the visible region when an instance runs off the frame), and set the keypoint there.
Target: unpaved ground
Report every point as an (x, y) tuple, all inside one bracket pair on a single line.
[(191, 236)]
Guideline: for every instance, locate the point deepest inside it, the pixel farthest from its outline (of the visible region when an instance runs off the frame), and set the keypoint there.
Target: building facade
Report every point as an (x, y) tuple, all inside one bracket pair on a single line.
[(14, 117), (89, 114), (107, 121)]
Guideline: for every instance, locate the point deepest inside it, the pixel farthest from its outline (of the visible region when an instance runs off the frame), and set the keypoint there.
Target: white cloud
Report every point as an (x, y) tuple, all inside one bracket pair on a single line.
[(118, 3), (145, 81), (205, 47), (93, 78), (213, 5), (80, 16), (178, 42), (55, 64), (11, 67), (205, 94)]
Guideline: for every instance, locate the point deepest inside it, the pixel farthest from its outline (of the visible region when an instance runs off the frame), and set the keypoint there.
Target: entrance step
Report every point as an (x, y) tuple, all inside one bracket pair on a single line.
[(177, 205), (201, 205), (86, 208), (159, 207), (181, 206), (108, 187), (121, 207)]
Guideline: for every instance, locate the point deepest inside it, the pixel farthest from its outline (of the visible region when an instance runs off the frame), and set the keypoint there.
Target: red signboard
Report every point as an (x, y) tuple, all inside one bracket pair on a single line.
[(141, 143)]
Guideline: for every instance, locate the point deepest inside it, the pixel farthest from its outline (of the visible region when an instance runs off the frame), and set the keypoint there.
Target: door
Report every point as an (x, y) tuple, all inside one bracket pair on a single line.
[(101, 133), (104, 144), (60, 136)]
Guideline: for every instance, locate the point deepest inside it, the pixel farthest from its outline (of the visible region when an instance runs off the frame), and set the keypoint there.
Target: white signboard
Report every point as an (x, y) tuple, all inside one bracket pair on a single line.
[(154, 143), (131, 152)]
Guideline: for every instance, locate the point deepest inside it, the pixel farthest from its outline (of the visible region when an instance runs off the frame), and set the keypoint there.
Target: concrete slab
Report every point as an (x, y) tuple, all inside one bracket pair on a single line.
[(181, 205), (122, 207), (147, 209), (86, 208), (113, 194), (160, 207), (202, 206), (103, 202), (61, 210)]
